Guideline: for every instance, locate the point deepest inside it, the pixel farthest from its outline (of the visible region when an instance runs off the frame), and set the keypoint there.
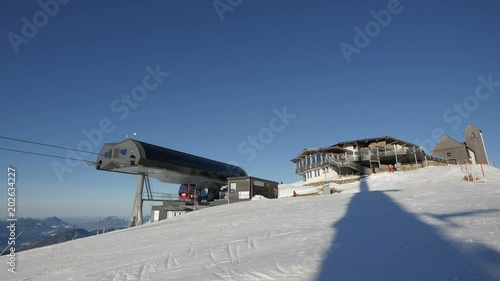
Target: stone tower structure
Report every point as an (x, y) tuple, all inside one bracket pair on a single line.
[(475, 141)]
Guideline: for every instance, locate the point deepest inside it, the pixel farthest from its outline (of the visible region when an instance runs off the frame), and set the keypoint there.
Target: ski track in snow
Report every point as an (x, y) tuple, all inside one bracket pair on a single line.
[(294, 238)]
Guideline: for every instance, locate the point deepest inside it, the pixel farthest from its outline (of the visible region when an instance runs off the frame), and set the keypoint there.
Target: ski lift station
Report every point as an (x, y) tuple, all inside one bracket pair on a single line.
[(200, 178), (244, 188)]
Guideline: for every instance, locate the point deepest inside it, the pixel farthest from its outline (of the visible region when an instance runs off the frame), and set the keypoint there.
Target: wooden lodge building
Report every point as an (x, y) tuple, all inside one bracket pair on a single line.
[(357, 157)]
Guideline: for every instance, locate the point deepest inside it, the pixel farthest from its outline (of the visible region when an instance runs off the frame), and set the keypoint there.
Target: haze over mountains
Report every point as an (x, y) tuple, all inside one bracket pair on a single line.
[(34, 233)]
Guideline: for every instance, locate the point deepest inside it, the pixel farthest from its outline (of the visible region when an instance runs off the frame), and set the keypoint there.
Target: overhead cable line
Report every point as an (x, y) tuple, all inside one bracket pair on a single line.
[(48, 145), (39, 154)]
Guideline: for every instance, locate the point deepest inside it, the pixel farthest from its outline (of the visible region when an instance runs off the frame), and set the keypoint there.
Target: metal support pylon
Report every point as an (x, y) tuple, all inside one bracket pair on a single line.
[(137, 209), (149, 191)]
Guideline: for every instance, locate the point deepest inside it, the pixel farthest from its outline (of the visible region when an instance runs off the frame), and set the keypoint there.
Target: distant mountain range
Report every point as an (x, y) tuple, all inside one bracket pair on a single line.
[(30, 230), (58, 238), (90, 224), (34, 233)]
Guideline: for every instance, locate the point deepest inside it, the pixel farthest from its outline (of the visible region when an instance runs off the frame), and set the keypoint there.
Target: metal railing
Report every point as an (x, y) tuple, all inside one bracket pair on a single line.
[(351, 164), (312, 166), (436, 158), (159, 196), (339, 162)]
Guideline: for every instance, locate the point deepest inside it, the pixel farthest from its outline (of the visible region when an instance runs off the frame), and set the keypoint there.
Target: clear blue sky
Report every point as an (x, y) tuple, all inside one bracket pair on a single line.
[(227, 74)]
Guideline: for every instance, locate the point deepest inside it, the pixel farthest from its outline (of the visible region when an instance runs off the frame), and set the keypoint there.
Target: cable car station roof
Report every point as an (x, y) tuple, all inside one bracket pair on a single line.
[(167, 165)]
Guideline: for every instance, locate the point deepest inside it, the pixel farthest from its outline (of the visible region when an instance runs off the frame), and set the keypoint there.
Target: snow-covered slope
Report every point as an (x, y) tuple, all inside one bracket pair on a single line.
[(427, 224), (287, 189)]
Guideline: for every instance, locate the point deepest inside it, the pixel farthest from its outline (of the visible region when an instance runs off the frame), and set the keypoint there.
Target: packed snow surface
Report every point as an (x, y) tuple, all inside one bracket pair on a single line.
[(427, 224), (286, 190)]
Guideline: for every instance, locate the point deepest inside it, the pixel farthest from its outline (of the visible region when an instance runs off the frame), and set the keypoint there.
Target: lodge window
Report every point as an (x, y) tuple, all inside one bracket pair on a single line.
[(448, 154), (472, 135)]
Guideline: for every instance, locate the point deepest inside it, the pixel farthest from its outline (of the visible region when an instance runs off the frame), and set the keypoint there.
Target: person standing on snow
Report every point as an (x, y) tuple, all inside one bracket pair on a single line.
[(391, 168)]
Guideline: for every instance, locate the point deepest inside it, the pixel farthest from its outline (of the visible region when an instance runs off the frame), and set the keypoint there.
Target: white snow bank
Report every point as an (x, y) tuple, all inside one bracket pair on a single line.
[(427, 224), (286, 190), (259, 197)]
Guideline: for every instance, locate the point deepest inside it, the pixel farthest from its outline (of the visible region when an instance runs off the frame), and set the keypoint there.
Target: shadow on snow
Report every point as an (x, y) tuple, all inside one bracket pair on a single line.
[(379, 240)]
